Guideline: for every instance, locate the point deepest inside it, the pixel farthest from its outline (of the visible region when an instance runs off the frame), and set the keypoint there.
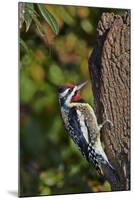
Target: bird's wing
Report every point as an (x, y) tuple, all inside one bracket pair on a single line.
[(76, 131), (81, 135), (90, 121)]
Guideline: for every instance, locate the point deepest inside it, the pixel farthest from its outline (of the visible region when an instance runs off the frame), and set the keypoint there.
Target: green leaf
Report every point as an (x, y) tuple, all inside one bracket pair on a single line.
[(29, 7), (30, 14), (27, 16), (28, 20), (38, 25), (49, 18), (24, 46)]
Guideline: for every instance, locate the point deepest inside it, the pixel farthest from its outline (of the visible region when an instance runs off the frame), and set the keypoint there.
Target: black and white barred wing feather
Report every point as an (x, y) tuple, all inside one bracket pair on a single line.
[(81, 134), (75, 131)]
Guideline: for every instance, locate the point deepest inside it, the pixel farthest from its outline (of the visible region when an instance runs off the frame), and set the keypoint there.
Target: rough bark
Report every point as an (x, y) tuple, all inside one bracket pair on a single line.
[(21, 13), (109, 66)]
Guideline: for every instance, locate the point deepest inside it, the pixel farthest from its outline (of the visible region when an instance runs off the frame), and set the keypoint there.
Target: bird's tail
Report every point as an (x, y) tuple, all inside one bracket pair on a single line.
[(111, 172)]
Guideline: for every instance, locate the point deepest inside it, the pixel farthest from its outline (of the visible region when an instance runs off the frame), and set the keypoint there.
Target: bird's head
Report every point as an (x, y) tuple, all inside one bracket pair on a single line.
[(70, 93)]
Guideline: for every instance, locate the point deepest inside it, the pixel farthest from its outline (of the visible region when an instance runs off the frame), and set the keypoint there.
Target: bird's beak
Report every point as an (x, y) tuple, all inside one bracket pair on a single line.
[(79, 87)]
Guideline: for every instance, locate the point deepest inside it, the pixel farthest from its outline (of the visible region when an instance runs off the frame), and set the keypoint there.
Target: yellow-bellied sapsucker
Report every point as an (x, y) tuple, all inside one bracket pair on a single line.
[(81, 123)]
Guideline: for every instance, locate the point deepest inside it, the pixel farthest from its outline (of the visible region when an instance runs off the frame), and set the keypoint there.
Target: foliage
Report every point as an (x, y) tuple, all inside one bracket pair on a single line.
[(31, 14), (55, 43)]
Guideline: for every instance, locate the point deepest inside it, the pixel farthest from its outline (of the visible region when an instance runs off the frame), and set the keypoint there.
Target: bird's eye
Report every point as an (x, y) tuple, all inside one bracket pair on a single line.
[(61, 89), (70, 90)]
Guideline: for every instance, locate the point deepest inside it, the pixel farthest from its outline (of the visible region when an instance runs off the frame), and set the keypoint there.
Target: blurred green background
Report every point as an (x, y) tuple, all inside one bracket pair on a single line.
[(49, 161)]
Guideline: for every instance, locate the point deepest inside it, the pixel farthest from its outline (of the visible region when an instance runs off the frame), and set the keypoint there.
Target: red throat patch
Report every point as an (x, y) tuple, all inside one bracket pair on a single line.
[(77, 97)]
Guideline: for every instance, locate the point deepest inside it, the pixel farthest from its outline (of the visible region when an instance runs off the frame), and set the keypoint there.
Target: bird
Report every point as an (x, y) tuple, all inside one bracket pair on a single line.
[(81, 124)]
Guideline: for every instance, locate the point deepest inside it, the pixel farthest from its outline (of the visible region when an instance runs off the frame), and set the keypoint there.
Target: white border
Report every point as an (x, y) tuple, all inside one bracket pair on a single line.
[(9, 98)]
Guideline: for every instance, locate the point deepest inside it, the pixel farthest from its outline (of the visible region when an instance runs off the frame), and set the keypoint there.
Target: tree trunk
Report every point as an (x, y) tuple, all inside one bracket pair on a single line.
[(109, 66)]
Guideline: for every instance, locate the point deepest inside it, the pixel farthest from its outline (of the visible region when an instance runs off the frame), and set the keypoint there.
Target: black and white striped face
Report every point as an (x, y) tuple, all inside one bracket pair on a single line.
[(66, 92), (69, 92)]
